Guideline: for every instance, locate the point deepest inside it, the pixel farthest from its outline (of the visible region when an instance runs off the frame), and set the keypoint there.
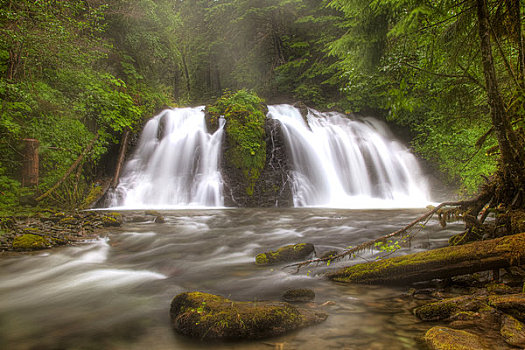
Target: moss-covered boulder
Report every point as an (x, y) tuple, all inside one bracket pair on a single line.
[(208, 316), (287, 253), (443, 338), (29, 242), (444, 309), (512, 304), (513, 331)]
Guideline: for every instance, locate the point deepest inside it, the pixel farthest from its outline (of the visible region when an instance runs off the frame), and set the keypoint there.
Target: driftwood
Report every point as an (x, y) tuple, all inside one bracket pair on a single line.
[(438, 263), (121, 157), (70, 170), (372, 243)]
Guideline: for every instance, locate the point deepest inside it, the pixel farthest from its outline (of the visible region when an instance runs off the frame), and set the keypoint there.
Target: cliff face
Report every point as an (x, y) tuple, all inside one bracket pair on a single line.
[(272, 188)]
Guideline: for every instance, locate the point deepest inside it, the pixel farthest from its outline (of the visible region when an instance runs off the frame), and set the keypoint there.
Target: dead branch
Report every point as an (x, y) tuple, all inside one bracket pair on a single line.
[(369, 244), (70, 170)]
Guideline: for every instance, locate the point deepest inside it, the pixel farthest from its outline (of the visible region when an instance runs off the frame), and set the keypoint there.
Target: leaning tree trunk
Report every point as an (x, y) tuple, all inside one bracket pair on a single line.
[(511, 162)]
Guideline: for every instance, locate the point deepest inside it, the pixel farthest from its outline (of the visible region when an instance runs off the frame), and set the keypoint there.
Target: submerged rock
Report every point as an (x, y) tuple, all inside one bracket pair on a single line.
[(287, 253), (208, 316), (443, 338), (299, 295)]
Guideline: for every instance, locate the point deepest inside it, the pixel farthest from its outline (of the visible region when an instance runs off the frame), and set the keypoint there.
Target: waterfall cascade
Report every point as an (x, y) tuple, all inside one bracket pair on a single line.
[(334, 161), (175, 164), (343, 162)]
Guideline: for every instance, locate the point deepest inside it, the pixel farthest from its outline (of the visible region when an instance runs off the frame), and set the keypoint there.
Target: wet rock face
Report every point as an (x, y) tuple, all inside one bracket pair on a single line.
[(208, 316), (273, 187)]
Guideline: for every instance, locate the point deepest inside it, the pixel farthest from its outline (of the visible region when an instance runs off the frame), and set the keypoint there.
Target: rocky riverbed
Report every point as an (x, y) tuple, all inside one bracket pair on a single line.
[(49, 228)]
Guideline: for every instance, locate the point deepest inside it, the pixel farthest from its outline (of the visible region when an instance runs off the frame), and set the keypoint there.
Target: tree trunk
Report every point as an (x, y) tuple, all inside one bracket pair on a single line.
[(511, 153), (31, 163), (121, 157), (438, 263)]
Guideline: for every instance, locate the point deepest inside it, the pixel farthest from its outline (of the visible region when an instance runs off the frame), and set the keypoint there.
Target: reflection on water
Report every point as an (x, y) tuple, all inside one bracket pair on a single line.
[(114, 293)]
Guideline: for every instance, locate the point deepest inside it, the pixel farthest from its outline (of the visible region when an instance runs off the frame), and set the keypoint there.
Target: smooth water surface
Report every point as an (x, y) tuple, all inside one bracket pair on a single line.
[(115, 293)]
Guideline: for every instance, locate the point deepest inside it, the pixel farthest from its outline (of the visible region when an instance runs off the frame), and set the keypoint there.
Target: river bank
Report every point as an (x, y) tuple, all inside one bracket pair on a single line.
[(50, 228)]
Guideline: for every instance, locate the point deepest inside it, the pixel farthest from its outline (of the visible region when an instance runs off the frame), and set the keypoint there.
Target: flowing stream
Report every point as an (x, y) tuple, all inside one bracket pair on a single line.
[(114, 293)]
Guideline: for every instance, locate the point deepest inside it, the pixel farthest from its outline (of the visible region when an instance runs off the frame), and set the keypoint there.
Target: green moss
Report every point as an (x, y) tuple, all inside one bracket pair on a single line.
[(510, 247), (210, 316), (287, 253), (29, 242), (244, 113), (443, 338)]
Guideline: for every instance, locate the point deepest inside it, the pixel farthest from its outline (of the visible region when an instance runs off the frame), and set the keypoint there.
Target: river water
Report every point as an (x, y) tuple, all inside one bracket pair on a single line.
[(115, 292)]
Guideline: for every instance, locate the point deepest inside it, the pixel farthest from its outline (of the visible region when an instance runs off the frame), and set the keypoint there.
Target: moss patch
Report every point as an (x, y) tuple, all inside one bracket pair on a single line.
[(287, 253), (209, 316), (443, 338), (29, 242), (244, 113)]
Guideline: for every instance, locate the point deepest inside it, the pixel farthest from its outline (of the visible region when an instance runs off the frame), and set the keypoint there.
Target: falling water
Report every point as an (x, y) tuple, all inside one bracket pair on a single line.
[(348, 163), (175, 164)]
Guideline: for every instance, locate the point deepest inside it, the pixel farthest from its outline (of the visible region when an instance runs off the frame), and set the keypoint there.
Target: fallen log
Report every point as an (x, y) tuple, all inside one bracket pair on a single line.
[(438, 263), (121, 157)]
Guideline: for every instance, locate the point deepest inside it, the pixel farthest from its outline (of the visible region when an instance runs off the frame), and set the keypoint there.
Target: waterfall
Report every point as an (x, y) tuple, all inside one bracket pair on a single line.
[(176, 164), (348, 163)]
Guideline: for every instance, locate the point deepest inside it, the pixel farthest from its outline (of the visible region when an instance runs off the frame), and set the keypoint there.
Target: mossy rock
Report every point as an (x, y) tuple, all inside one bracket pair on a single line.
[(208, 316), (68, 220), (29, 242), (512, 304), (299, 295), (112, 219), (499, 288), (444, 309), (287, 253), (513, 331), (443, 338)]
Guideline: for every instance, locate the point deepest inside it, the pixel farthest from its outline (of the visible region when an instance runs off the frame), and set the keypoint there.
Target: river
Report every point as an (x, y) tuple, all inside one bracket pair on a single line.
[(115, 292)]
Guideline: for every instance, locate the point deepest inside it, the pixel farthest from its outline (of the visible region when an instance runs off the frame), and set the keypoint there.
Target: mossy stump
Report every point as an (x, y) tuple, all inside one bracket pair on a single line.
[(287, 253), (208, 316)]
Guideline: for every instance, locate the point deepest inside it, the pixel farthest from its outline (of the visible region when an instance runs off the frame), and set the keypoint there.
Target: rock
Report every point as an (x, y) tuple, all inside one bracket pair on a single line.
[(512, 304), (68, 220), (160, 220), (208, 316), (287, 253), (443, 338), (499, 288), (299, 295), (513, 331), (112, 219), (152, 212), (444, 309), (29, 242)]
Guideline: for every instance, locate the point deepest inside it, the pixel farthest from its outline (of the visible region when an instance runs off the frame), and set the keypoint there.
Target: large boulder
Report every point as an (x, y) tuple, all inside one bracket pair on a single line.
[(208, 316)]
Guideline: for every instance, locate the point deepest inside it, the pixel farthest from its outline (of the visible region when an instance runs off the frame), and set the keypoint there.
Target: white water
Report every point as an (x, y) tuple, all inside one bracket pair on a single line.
[(348, 163), (175, 164), (337, 162)]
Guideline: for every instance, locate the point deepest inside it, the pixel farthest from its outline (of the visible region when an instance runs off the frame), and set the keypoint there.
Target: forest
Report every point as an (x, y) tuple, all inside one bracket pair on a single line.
[(75, 70)]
